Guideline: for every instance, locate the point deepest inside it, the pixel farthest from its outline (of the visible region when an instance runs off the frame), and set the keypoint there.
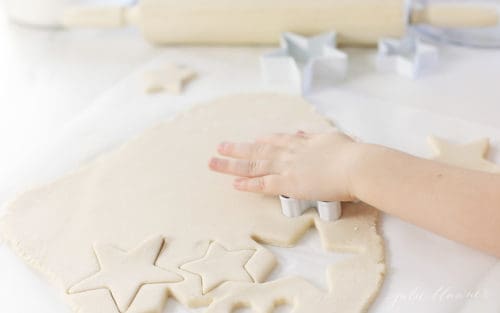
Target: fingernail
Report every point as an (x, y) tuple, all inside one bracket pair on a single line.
[(238, 182), (223, 146), (213, 163), (301, 133)]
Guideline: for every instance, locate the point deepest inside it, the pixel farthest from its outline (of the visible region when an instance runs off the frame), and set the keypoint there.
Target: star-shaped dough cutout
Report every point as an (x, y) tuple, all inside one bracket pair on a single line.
[(470, 156), (219, 265), (171, 78), (123, 273)]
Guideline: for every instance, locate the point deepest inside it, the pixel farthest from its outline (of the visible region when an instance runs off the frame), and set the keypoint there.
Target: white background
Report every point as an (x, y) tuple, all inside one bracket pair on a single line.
[(65, 97)]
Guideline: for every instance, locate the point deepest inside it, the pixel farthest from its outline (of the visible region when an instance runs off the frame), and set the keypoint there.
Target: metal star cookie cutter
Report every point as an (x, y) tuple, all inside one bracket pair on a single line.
[(301, 61), (328, 211), (409, 56)]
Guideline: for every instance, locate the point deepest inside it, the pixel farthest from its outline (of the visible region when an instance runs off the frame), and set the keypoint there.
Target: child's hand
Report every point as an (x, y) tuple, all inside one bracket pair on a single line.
[(302, 166), (460, 204)]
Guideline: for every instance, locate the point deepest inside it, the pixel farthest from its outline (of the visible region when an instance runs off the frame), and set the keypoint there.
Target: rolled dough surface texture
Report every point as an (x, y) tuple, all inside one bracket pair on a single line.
[(149, 221)]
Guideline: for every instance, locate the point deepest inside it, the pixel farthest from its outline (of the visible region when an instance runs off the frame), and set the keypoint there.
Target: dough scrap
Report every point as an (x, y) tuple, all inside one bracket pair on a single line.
[(159, 186), (352, 284), (470, 156)]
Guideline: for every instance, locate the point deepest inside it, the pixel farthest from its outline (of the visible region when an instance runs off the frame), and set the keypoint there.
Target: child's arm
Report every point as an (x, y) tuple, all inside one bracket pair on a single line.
[(460, 204)]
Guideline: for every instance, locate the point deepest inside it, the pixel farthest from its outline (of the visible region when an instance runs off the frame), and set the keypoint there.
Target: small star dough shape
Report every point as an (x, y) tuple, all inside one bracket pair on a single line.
[(220, 265), (170, 78), (470, 156), (139, 264)]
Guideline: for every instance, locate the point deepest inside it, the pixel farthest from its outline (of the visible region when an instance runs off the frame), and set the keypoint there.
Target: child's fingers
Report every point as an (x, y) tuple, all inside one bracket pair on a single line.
[(269, 184), (246, 168), (249, 151)]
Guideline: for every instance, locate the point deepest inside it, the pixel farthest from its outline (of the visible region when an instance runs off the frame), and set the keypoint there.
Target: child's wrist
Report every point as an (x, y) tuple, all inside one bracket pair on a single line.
[(360, 156), (365, 171)]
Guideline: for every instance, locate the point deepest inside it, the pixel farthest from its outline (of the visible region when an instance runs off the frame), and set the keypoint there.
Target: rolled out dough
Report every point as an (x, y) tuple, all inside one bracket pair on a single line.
[(149, 220)]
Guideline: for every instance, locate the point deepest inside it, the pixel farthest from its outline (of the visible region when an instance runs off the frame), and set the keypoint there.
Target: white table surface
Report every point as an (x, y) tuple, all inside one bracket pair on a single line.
[(66, 97)]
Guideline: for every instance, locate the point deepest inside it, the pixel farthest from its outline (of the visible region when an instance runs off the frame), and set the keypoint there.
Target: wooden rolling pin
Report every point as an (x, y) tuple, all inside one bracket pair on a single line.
[(357, 22)]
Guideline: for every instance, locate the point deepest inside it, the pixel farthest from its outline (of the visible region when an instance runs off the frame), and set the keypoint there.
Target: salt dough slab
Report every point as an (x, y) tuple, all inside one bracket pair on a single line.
[(149, 220)]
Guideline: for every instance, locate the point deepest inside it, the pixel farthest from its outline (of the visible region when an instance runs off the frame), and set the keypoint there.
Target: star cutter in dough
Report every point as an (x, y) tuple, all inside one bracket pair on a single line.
[(327, 210), (301, 62), (171, 78), (470, 156), (220, 265), (409, 56), (124, 273)]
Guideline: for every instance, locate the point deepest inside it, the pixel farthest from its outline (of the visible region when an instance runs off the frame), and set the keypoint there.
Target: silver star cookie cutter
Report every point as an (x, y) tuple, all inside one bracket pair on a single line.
[(302, 61), (328, 211), (409, 56)]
